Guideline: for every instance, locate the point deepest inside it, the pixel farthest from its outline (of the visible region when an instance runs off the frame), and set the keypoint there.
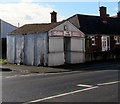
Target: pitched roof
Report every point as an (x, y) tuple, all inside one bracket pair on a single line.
[(95, 25), (85, 23), (35, 28)]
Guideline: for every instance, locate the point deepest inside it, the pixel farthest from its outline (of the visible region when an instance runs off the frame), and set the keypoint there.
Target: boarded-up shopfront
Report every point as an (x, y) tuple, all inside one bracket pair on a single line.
[(46, 44)]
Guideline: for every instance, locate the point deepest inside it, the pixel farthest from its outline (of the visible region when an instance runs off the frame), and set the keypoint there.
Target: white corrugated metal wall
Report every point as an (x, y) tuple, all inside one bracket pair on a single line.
[(27, 49), (47, 49), (11, 49)]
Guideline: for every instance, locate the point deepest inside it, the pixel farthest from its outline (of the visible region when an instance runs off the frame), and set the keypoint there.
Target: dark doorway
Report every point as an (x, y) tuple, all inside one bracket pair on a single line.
[(67, 49)]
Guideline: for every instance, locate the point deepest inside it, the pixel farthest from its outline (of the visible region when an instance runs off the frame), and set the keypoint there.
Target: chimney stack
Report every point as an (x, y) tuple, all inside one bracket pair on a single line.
[(103, 13), (118, 14), (53, 17)]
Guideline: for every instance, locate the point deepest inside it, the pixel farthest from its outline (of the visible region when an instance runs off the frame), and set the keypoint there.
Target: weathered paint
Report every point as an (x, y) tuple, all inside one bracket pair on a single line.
[(71, 30), (27, 49), (78, 44), (48, 48), (19, 47), (11, 49), (56, 51), (56, 44), (77, 57), (72, 44), (55, 59), (75, 52)]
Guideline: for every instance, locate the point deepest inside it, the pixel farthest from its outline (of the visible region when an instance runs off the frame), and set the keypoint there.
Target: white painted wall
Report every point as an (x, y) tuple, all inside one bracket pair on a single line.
[(76, 54), (55, 59), (78, 44), (56, 51), (72, 52), (56, 44), (77, 57), (70, 26)]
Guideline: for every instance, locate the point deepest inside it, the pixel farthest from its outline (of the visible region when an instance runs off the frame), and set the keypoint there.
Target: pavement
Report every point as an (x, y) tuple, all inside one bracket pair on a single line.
[(90, 66), (32, 69)]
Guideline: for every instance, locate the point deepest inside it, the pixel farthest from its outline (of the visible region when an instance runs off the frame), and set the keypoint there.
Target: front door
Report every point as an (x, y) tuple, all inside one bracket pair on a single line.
[(105, 43)]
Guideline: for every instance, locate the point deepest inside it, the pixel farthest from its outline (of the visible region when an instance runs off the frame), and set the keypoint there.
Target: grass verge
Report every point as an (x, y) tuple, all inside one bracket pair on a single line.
[(3, 61)]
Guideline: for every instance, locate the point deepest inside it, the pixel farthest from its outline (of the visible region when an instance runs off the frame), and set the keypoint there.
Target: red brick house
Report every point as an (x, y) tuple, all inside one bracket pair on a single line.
[(102, 34)]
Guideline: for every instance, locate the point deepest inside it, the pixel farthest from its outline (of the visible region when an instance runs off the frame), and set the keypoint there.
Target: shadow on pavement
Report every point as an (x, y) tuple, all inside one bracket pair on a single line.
[(5, 69), (92, 66)]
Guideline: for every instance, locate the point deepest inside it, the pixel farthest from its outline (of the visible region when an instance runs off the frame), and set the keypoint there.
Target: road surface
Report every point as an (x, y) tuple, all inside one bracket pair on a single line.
[(99, 84)]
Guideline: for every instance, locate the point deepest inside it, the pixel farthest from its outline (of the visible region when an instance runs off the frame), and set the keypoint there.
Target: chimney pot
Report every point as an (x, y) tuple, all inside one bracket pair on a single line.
[(53, 17)]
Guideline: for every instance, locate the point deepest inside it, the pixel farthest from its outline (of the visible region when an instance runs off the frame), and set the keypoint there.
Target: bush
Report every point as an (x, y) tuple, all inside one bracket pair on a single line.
[(3, 61)]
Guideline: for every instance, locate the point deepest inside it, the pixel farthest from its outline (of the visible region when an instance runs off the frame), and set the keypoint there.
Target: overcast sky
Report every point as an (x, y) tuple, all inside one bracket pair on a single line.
[(38, 11)]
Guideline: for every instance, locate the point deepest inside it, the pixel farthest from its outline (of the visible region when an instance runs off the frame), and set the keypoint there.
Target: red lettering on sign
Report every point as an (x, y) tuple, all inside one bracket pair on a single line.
[(57, 33), (77, 33)]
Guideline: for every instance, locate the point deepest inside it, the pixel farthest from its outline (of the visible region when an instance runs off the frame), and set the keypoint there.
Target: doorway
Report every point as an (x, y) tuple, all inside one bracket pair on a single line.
[(67, 50), (105, 43)]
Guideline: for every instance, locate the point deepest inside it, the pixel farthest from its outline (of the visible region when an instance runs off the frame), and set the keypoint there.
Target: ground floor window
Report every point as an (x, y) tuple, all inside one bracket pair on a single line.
[(93, 40), (117, 39)]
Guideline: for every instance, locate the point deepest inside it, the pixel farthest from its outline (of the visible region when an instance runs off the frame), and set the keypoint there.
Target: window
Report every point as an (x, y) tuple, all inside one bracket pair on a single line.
[(117, 39), (93, 40), (65, 28)]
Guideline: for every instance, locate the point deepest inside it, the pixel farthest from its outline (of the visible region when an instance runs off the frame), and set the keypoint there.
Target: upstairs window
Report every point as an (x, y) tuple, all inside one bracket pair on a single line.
[(117, 39)]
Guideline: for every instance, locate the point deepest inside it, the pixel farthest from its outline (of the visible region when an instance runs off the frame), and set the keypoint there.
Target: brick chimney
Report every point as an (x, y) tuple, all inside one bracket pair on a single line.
[(53, 17), (118, 14), (103, 13)]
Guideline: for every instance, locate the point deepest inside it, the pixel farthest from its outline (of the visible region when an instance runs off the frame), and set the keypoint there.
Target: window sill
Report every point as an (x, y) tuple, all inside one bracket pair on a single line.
[(93, 44), (117, 43)]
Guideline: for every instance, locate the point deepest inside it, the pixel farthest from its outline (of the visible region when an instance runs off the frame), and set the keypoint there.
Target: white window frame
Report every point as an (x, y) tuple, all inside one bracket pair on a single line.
[(105, 43), (117, 40), (93, 40)]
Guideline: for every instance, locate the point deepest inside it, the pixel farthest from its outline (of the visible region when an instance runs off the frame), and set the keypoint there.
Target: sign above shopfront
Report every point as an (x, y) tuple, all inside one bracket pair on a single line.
[(67, 33)]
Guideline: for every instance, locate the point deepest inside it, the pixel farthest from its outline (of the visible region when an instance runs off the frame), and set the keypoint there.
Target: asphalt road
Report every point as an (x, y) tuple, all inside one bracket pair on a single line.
[(78, 86)]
